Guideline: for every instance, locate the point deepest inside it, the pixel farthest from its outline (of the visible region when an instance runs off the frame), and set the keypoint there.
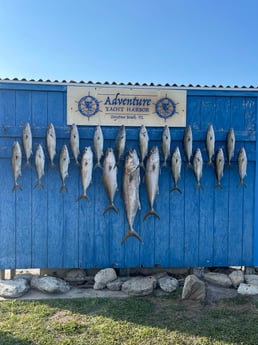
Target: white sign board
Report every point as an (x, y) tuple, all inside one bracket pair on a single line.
[(130, 106)]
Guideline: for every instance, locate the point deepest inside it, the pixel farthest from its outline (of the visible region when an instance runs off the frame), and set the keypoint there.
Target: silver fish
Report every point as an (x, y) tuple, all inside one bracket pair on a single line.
[(40, 165), (64, 161), (152, 173), (16, 164), (210, 143), (75, 142), (120, 143), (242, 166), (27, 142), (219, 167), (165, 144), (131, 182), (86, 171), (197, 167), (231, 140), (109, 177), (143, 144), (176, 163), (51, 143), (188, 145), (98, 143)]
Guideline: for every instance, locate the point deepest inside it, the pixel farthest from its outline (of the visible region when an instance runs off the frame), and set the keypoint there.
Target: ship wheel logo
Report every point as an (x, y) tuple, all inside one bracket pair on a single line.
[(165, 108), (88, 106)]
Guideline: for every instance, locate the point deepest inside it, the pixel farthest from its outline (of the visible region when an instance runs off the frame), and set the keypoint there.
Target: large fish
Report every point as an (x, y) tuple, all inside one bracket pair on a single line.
[(120, 143), (210, 143), (98, 143), (143, 144), (131, 182), (197, 167), (64, 161), (152, 173), (165, 144), (188, 145), (231, 140), (109, 177), (51, 143), (242, 166), (75, 142), (176, 163), (27, 142), (16, 160), (86, 171), (219, 167), (40, 165)]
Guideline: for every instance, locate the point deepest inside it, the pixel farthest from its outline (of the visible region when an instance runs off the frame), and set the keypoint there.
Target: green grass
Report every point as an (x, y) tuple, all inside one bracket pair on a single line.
[(152, 320)]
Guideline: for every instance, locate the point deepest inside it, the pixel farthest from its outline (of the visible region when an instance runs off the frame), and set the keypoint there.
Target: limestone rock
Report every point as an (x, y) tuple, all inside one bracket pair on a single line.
[(217, 279), (50, 284), (194, 288), (215, 293), (138, 286), (116, 284), (247, 289), (13, 288), (168, 284), (103, 277), (237, 277), (76, 276), (251, 279)]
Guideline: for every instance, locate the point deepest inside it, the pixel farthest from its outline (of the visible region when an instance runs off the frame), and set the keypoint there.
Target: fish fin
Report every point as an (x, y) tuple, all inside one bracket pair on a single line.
[(151, 212), (218, 186), (83, 196), (142, 165), (129, 233), (16, 186), (77, 163), (110, 207), (63, 188), (38, 184), (175, 188), (97, 165)]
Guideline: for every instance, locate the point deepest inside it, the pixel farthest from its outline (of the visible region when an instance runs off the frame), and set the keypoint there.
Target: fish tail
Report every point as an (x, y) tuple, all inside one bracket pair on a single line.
[(16, 186), (241, 183), (77, 163), (142, 165), (52, 166), (97, 165), (175, 188), (164, 163), (38, 184), (151, 212), (218, 186), (110, 207), (189, 165), (28, 164), (210, 162), (83, 196), (129, 233), (199, 186), (63, 188)]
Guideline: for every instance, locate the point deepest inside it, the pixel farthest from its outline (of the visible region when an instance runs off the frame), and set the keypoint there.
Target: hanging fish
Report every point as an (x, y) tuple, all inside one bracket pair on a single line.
[(231, 140), (64, 161), (27, 142), (86, 171), (197, 167), (40, 165), (176, 163), (143, 144), (16, 160), (165, 144), (210, 143), (219, 167), (51, 144), (109, 177), (242, 166), (75, 142), (98, 142), (188, 145), (120, 143)]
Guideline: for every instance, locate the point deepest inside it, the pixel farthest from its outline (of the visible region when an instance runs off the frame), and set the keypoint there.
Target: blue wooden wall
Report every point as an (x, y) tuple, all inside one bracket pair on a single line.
[(42, 228)]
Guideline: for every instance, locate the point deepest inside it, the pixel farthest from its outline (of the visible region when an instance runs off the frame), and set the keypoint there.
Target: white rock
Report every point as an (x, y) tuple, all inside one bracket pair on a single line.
[(139, 286), (247, 289), (115, 285), (168, 284), (217, 279), (237, 277), (194, 288), (103, 277), (251, 279), (13, 288), (50, 284)]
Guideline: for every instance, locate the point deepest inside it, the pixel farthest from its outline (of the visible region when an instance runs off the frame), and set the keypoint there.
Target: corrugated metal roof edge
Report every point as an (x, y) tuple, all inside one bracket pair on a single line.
[(128, 84)]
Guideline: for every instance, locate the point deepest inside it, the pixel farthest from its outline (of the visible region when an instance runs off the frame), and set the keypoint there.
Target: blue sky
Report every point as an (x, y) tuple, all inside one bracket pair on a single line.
[(206, 42)]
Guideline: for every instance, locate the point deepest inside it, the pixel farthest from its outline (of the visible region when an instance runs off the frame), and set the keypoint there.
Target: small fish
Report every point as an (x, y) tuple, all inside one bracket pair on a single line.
[(176, 163), (242, 166), (152, 173), (219, 167), (86, 171), (131, 183), (143, 144), (120, 143), (210, 143), (75, 142), (16, 164), (188, 145), (64, 161), (51, 144), (98, 143), (27, 142), (40, 165), (231, 140), (165, 144), (109, 177), (197, 167)]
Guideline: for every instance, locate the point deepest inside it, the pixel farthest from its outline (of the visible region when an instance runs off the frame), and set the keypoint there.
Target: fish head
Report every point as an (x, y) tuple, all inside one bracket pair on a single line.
[(131, 161)]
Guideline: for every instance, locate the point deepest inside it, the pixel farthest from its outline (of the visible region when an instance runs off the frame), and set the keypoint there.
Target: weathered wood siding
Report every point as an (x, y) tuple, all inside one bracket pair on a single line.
[(42, 228)]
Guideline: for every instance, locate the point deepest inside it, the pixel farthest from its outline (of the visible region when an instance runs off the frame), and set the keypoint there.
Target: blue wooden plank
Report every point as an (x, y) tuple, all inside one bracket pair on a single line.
[(33, 86), (7, 108), (22, 107), (39, 109), (55, 108)]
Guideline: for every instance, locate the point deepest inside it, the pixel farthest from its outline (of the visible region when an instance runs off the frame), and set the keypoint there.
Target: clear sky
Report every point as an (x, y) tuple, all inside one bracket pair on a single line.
[(206, 42)]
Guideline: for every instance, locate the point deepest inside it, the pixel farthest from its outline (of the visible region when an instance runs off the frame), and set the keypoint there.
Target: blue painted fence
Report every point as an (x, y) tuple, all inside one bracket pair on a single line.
[(43, 228)]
